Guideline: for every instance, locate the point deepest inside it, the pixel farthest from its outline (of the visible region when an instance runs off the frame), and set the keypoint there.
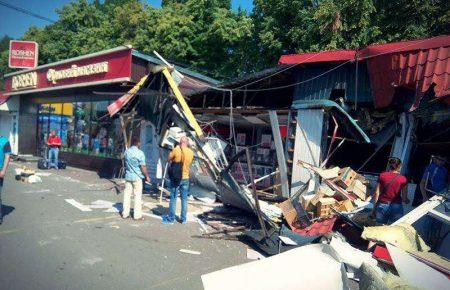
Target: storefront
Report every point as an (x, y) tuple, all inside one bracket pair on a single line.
[(71, 97)]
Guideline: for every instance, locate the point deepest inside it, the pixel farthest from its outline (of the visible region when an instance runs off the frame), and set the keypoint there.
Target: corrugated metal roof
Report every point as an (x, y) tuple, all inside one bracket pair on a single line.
[(341, 78), (403, 46), (417, 70), (416, 64)]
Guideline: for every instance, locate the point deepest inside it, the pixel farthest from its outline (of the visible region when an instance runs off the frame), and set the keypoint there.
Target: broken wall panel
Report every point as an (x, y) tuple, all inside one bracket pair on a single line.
[(308, 143)]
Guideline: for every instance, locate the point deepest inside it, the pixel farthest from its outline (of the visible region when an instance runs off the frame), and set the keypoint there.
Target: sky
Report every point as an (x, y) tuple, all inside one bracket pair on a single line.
[(14, 23)]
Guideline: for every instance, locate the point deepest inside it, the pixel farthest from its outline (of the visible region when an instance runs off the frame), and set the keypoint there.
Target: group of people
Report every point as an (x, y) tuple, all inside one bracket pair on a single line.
[(388, 199), (180, 158)]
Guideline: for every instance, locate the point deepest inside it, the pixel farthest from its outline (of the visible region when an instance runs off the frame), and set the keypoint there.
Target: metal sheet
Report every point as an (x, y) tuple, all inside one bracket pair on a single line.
[(341, 78), (308, 143), (280, 153), (347, 121)]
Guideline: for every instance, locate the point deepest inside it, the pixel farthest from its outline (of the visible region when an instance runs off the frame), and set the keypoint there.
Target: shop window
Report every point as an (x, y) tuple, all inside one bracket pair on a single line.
[(107, 140), (84, 128)]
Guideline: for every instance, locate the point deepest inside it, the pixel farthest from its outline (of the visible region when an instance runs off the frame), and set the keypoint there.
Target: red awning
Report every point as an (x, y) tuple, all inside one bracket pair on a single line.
[(3, 98)]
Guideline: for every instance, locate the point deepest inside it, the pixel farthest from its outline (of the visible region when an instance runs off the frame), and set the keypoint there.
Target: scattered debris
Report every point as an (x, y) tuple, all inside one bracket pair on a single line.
[(27, 175), (190, 252), (44, 174), (417, 273), (401, 235), (288, 241)]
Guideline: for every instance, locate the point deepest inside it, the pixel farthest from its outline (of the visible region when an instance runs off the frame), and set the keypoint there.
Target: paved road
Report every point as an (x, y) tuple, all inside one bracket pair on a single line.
[(46, 243)]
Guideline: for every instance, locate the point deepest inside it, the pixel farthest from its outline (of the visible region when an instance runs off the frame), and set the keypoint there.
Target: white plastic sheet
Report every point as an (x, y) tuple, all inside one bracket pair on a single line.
[(297, 269), (417, 273)]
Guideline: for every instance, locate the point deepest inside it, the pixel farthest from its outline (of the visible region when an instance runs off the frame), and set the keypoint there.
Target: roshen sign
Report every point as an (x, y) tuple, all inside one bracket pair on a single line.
[(26, 80), (77, 71)]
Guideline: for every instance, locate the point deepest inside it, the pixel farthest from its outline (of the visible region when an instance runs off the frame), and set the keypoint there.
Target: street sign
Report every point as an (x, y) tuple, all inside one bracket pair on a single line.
[(23, 54)]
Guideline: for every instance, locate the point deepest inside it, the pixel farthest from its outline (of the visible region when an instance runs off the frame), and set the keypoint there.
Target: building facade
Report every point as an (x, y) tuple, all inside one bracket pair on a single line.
[(71, 97)]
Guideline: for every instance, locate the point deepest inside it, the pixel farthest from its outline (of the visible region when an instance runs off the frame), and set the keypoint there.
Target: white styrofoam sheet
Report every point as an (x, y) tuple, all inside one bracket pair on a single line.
[(296, 269), (416, 273)]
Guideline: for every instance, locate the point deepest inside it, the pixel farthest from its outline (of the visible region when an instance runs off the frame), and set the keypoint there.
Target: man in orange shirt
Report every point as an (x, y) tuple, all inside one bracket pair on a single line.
[(184, 156), (53, 143)]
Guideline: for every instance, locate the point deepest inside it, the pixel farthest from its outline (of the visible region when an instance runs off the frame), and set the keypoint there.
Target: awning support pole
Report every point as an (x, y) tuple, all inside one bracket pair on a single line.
[(281, 159), (255, 194)]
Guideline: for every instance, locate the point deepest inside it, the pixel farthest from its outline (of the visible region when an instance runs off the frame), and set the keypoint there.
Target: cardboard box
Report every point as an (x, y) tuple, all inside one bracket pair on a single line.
[(294, 212), (346, 177), (345, 206), (359, 189), (324, 206), (316, 197), (289, 212), (305, 200)]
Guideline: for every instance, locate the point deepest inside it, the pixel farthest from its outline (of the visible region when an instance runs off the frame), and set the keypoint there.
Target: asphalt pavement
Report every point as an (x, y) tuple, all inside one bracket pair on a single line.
[(47, 243)]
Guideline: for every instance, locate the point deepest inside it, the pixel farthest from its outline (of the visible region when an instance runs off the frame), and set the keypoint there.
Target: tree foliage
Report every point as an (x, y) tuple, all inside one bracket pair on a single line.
[(208, 36)]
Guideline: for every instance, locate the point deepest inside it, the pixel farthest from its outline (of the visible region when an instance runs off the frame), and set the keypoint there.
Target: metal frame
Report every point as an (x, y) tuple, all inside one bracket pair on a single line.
[(425, 208), (281, 159)]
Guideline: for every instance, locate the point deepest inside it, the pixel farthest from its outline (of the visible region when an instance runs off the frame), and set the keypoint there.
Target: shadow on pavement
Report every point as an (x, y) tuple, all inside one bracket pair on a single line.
[(6, 210)]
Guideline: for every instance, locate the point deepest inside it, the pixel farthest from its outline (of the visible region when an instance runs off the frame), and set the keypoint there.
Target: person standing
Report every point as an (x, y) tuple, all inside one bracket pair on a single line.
[(182, 156), (435, 178), (5, 152), (53, 143), (390, 193), (135, 171), (434, 181)]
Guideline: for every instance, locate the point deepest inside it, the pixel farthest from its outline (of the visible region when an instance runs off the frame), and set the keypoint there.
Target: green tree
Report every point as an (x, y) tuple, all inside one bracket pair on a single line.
[(208, 36), (292, 26)]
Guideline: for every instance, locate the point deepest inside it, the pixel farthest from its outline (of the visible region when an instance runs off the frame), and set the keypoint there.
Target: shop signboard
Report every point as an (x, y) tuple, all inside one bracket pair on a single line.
[(23, 54), (99, 68)]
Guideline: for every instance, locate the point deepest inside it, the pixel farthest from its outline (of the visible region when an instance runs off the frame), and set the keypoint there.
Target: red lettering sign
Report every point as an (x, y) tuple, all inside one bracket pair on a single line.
[(23, 54), (96, 69)]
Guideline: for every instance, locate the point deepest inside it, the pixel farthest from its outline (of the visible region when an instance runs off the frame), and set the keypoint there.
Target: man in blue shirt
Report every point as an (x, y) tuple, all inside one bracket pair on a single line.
[(5, 151), (135, 171), (435, 178)]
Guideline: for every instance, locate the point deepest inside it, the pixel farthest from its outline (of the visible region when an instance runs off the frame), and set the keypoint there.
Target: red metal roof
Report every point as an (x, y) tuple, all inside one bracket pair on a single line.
[(314, 57), (403, 46), (416, 64), (317, 228), (415, 69)]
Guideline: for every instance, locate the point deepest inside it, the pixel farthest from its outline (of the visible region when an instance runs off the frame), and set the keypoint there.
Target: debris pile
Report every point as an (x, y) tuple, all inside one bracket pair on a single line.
[(327, 231), (27, 175), (341, 192), (393, 263)]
